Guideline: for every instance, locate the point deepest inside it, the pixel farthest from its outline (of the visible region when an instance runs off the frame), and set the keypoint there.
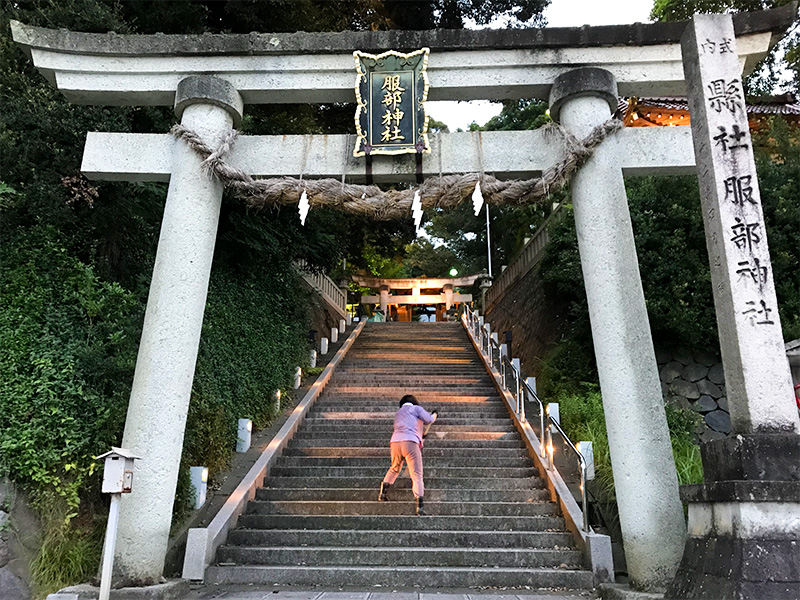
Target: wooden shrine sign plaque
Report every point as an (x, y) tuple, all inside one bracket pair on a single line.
[(391, 89)]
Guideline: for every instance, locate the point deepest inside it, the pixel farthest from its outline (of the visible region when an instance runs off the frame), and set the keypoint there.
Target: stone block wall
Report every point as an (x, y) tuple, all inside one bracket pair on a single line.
[(696, 380), (536, 324)]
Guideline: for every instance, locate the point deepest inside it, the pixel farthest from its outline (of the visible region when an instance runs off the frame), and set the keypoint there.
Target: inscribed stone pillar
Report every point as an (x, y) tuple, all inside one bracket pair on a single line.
[(757, 376), (746, 515), (168, 349), (651, 515)]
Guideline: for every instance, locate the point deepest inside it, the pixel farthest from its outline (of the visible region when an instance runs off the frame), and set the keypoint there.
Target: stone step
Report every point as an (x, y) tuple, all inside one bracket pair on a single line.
[(382, 442), (429, 389), (358, 426), (331, 397), (558, 540), (403, 522), (388, 556), (444, 483), (385, 368), (406, 380), (387, 418), (404, 495), (382, 437), (431, 472), (438, 576), (373, 507), (384, 453), (445, 415), (429, 462)]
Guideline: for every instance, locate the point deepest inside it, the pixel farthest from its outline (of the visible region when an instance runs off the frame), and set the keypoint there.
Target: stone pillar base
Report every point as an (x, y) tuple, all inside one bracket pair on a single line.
[(744, 525), (723, 568)]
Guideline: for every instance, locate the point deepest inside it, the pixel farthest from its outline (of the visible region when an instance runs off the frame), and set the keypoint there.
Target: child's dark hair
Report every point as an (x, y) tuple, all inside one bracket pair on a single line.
[(408, 398)]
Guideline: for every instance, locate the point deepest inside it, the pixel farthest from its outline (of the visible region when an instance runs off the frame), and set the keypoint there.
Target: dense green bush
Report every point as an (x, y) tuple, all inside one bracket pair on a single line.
[(254, 336), (67, 351), (68, 345)]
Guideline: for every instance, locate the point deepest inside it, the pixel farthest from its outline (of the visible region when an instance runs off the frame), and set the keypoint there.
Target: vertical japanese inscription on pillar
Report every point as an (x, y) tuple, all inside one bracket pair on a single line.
[(391, 89), (741, 272)]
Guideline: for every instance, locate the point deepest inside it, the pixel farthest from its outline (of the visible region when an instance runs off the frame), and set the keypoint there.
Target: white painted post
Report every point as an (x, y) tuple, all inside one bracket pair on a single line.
[(323, 346), (334, 335), (531, 381), (298, 377), (349, 319), (644, 469), (312, 359), (244, 434), (199, 479), (171, 333), (757, 376), (342, 325), (109, 547), (554, 412), (587, 450)]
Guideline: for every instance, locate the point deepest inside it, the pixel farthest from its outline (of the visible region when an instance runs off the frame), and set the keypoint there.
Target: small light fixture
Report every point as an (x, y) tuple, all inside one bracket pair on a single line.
[(634, 116), (453, 272)]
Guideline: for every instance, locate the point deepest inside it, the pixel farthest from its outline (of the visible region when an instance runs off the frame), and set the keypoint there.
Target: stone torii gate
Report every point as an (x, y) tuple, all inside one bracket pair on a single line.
[(210, 78), (443, 286)]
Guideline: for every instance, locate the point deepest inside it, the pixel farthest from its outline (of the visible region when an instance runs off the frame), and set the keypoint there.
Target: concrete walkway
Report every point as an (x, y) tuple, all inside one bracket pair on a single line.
[(238, 592)]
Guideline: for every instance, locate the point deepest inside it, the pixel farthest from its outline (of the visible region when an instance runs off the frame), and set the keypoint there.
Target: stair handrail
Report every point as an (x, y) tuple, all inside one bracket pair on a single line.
[(474, 322)]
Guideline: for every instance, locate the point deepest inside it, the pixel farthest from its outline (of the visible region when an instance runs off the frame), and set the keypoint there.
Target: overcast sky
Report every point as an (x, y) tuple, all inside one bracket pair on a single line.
[(560, 13)]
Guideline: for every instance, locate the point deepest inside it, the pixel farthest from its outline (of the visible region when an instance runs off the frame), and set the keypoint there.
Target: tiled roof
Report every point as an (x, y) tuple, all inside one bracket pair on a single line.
[(769, 105)]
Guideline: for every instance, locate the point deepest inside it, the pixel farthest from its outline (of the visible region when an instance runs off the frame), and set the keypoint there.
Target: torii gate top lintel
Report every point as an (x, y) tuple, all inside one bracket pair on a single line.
[(417, 282), (317, 67)]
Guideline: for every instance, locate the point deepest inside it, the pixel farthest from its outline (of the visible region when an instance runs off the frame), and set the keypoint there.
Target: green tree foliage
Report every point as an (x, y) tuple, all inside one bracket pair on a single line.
[(460, 235), (673, 260), (764, 78)]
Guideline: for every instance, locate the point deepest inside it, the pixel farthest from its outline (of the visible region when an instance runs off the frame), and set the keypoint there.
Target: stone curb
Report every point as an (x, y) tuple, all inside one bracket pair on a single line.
[(173, 589), (620, 591)]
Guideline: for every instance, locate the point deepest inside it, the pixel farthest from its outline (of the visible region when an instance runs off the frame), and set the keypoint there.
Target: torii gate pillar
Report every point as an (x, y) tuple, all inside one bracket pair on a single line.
[(651, 514), (171, 334)]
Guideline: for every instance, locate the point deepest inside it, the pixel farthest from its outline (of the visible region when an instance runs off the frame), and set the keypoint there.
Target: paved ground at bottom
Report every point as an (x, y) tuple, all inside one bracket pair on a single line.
[(250, 592)]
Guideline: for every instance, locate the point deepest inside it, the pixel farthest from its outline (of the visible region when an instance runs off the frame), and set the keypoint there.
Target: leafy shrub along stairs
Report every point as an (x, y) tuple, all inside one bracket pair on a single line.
[(490, 519)]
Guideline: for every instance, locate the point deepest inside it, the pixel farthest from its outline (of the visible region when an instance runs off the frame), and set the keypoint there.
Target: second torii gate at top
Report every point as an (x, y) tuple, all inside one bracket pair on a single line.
[(439, 292), (210, 78)]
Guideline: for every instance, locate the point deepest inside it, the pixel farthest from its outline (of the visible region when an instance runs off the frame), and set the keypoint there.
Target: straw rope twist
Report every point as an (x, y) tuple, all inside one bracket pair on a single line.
[(445, 191)]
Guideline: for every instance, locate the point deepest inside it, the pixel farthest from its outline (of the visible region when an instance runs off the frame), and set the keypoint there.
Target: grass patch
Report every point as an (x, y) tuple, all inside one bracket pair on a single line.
[(583, 419)]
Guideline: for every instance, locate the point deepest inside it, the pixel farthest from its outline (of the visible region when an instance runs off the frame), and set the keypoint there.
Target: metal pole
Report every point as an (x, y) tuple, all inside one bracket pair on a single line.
[(488, 240), (108, 551)]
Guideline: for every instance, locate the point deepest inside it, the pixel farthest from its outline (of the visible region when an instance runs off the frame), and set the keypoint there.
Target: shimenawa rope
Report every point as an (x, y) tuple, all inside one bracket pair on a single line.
[(447, 191)]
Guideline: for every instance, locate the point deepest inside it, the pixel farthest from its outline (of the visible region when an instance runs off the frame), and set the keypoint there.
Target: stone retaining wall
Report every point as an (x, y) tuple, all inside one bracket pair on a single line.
[(536, 324), (696, 380)]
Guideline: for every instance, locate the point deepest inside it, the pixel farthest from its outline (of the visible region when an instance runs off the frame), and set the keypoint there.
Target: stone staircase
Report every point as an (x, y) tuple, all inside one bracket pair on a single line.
[(490, 519)]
